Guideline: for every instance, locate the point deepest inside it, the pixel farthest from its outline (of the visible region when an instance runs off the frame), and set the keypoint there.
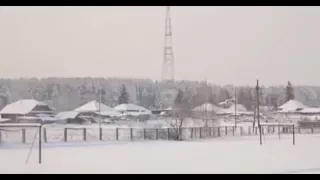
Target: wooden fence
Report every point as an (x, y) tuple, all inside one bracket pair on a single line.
[(67, 134)]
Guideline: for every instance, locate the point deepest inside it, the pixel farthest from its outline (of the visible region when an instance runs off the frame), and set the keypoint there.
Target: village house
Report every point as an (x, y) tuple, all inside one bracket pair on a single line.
[(90, 112), (132, 111), (27, 110)]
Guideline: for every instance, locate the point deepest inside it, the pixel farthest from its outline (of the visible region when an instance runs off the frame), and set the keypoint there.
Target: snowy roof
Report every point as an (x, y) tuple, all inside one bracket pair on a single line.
[(228, 101), (131, 107), (292, 106), (20, 125), (136, 113), (231, 110), (67, 115), (47, 118), (43, 118), (310, 110), (93, 106), (4, 119), (43, 115), (21, 107), (28, 117), (239, 107), (169, 108), (208, 107), (109, 113), (246, 113)]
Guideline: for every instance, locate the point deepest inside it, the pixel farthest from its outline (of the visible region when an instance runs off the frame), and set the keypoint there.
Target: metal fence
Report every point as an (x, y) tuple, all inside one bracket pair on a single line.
[(67, 134)]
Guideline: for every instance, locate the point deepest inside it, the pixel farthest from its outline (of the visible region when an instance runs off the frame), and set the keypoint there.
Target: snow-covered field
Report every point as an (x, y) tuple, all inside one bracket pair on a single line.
[(220, 155)]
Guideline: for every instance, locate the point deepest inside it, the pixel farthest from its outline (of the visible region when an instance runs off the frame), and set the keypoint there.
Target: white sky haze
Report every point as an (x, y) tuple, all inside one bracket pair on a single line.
[(226, 45)]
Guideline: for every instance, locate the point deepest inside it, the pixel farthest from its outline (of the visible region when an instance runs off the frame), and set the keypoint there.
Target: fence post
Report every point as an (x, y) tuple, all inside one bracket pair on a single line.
[(213, 132), (191, 133), (131, 134), (117, 134), (293, 134), (226, 130), (273, 129), (40, 145), (100, 134), (65, 134), (200, 132), (45, 135), (85, 134), (168, 133), (210, 133), (279, 131), (233, 130), (241, 130), (219, 132), (157, 134), (23, 136), (144, 134)]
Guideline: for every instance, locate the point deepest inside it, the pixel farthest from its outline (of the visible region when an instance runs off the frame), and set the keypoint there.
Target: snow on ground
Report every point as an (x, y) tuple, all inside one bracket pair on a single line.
[(218, 155)]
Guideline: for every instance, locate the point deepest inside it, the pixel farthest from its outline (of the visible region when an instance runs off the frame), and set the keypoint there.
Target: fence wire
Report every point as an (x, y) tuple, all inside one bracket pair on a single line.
[(66, 134)]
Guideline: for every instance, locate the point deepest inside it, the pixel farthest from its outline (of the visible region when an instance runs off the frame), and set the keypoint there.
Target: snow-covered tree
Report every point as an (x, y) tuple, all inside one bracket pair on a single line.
[(69, 93), (289, 91), (124, 96)]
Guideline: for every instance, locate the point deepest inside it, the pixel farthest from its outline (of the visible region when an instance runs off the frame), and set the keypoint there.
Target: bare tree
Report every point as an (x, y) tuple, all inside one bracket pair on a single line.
[(181, 111)]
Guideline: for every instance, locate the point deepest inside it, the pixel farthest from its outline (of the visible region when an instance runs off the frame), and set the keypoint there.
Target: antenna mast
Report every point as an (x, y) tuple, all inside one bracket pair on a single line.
[(168, 65)]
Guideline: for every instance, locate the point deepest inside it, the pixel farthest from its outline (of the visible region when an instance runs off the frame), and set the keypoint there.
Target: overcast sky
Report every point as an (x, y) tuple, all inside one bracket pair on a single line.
[(226, 45)]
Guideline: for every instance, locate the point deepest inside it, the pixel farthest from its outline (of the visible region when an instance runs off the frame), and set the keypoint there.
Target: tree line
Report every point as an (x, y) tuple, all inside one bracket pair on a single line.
[(69, 93)]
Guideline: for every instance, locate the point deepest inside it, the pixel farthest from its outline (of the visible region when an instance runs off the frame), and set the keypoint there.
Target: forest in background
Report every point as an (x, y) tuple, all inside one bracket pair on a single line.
[(69, 93)]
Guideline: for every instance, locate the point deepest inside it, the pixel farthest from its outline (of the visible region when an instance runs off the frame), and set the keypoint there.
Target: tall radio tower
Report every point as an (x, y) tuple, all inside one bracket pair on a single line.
[(168, 66)]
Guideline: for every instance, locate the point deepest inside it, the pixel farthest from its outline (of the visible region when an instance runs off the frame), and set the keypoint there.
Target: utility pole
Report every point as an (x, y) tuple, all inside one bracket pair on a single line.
[(235, 107), (206, 103), (99, 109), (258, 111), (254, 112)]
